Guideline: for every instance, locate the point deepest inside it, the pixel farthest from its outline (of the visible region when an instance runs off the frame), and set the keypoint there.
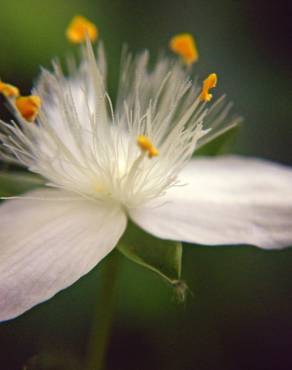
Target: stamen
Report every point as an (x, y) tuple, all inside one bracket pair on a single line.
[(80, 28), (185, 46), (28, 106), (9, 91), (146, 145), (209, 83)]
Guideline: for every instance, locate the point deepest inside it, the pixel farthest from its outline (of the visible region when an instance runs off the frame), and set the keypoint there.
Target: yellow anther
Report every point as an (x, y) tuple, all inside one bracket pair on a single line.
[(80, 28), (209, 83), (28, 106), (8, 90), (153, 152), (146, 145), (185, 46)]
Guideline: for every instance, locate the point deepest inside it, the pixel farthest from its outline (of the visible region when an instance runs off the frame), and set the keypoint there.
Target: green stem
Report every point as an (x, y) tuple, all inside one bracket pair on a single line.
[(100, 331)]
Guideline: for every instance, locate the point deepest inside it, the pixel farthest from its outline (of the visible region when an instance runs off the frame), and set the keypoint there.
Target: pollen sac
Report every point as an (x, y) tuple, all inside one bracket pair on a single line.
[(9, 91), (153, 152), (209, 83), (185, 46), (146, 145), (79, 29), (28, 106)]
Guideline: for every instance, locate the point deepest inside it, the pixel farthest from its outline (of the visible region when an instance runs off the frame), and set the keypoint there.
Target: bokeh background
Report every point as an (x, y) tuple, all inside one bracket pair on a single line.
[(239, 315)]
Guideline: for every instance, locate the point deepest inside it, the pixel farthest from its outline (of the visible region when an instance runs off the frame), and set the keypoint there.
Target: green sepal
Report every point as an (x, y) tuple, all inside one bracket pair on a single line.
[(160, 256), (220, 144), (15, 183)]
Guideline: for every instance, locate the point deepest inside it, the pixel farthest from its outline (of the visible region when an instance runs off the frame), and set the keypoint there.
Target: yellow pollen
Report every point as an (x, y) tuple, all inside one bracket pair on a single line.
[(185, 46), (209, 83), (28, 106), (146, 145), (9, 91), (80, 28), (153, 152)]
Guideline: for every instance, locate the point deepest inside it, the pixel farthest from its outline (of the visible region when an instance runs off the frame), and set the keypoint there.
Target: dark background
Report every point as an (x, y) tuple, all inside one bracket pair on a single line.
[(239, 315)]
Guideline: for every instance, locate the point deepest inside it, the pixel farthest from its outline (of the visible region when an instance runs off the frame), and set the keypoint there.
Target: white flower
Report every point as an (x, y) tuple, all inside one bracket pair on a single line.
[(107, 165)]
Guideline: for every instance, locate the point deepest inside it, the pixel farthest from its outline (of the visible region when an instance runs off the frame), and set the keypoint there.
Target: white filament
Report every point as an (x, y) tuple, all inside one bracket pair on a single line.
[(82, 144)]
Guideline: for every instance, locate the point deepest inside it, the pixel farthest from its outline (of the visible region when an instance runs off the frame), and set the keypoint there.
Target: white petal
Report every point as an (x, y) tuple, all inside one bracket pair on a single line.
[(46, 245), (227, 200)]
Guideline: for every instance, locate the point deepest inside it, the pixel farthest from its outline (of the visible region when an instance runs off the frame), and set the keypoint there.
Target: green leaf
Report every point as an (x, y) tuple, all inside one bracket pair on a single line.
[(220, 144), (161, 256), (14, 183)]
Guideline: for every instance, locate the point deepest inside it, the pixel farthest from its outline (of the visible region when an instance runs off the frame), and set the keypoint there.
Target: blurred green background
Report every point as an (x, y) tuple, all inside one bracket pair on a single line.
[(239, 315)]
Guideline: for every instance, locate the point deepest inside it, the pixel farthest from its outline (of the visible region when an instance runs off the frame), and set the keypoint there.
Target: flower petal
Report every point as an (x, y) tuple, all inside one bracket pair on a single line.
[(46, 245), (226, 200)]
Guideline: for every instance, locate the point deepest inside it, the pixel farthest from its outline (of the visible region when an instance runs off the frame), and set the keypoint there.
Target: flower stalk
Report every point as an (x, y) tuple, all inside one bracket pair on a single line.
[(103, 314)]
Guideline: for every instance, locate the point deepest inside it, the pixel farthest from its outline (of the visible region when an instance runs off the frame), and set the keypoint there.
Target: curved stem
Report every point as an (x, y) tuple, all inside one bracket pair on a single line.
[(100, 331)]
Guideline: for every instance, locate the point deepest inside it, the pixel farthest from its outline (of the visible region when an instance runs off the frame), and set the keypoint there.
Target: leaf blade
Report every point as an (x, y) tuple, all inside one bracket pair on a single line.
[(15, 183)]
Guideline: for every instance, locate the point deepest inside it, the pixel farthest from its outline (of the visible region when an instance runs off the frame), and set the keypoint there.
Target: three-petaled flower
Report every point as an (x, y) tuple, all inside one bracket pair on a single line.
[(104, 165)]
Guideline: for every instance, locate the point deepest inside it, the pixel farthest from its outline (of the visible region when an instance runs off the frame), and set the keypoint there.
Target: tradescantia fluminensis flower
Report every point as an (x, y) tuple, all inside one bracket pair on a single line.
[(105, 165)]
